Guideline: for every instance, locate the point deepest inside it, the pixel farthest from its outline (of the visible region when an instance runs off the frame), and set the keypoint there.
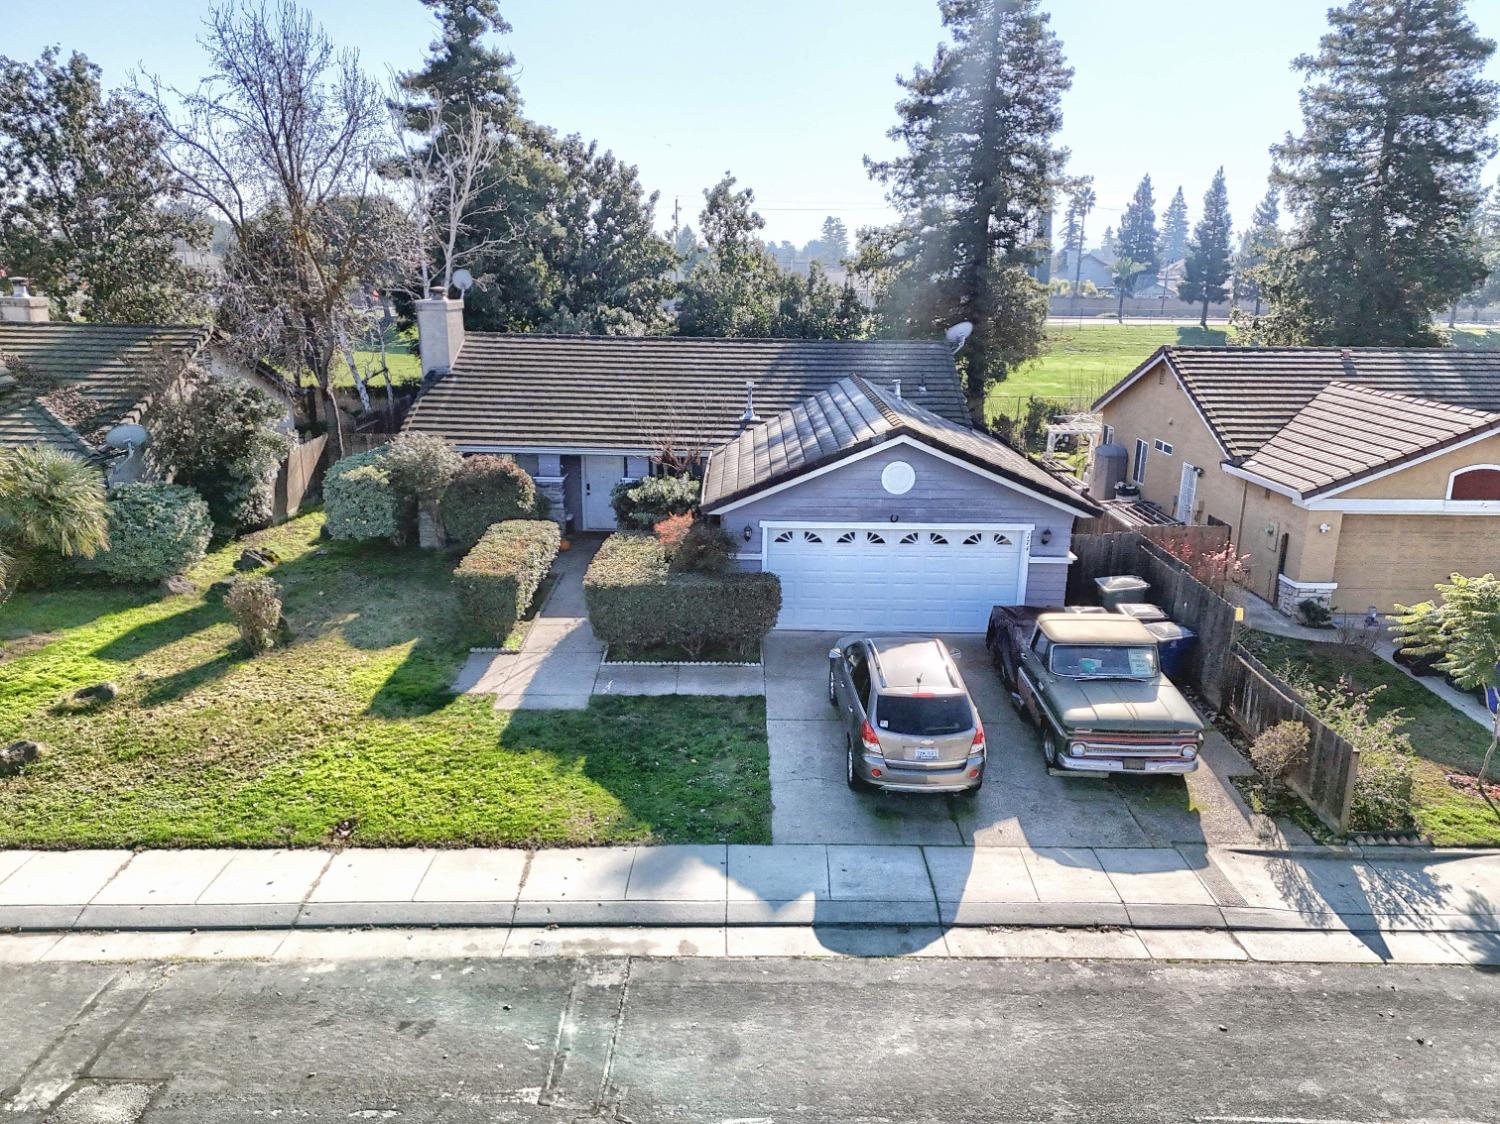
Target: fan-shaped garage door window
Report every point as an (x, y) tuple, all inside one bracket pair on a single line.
[(1481, 483)]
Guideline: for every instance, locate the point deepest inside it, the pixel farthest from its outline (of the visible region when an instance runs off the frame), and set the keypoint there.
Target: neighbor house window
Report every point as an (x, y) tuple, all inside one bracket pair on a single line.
[(1163, 448), (1138, 467), (1482, 482)]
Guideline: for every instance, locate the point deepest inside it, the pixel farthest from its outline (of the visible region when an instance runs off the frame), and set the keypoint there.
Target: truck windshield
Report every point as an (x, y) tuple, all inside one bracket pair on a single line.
[(1104, 661), (923, 716)]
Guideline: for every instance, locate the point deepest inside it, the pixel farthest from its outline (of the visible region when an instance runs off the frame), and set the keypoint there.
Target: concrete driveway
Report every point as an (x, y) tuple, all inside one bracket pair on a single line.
[(1020, 804)]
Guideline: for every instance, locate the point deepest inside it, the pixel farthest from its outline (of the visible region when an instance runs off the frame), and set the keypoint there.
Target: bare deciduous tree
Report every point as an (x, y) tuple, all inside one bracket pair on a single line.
[(283, 139)]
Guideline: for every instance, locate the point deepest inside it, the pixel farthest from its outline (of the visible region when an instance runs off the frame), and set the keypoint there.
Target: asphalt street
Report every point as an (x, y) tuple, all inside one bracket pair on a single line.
[(749, 1041)]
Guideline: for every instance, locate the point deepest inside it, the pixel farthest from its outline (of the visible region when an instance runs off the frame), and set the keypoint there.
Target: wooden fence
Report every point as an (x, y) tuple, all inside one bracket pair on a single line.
[(1180, 595), (1257, 700), (299, 477)]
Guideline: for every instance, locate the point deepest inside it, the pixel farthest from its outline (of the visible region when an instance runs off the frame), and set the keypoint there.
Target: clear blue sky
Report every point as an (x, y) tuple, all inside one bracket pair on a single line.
[(790, 94)]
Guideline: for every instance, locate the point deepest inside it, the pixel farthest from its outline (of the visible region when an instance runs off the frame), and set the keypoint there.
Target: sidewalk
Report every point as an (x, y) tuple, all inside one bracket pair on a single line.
[(1242, 889)]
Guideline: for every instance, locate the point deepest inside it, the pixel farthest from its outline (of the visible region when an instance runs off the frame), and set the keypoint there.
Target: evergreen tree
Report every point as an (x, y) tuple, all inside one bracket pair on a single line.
[(88, 208), (1205, 276), (835, 242), (688, 249), (980, 164), (576, 246), (1255, 244), (1172, 245), (1487, 238), (1384, 179), (1109, 245), (1138, 235), (1081, 200), (736, 289)]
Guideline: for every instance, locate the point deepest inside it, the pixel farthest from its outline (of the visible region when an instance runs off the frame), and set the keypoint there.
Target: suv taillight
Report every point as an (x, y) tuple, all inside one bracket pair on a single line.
[(868, 736), (977, 747)]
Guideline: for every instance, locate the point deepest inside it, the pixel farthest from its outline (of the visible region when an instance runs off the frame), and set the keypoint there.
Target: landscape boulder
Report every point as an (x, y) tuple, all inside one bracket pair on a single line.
[(99, 692), (16, 755)]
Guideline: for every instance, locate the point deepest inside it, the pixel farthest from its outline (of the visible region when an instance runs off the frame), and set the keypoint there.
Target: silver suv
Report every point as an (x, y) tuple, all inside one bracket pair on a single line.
[(909, 723)]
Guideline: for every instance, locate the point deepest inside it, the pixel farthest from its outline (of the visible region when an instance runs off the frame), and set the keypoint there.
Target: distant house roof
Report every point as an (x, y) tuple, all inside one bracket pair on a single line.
[(1348, 432), (852, 415), (644, 393), (95, 365), (1247, 394)]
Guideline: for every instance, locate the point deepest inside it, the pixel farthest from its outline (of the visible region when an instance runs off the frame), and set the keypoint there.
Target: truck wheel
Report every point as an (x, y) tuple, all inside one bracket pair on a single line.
[(833, 698), (1051, 745)]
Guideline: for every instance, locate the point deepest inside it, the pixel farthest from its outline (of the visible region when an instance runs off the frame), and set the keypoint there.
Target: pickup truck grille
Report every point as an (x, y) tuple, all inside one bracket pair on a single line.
[(1119, 747)]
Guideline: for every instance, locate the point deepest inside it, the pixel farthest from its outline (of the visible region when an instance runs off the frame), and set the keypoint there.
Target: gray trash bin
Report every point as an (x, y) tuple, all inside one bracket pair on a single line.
[(1173, 643), (1116, 591), (1141, 611)]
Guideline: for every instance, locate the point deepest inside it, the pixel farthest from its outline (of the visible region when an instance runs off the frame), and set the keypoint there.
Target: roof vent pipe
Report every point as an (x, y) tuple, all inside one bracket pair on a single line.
[(896, 388), (749, 417)]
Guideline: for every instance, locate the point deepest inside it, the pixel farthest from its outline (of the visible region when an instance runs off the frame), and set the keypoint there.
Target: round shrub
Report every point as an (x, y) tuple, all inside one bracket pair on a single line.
[(486, 491), (644, 504), (360, 500), (255, 604), (420, 465), (155, 530)]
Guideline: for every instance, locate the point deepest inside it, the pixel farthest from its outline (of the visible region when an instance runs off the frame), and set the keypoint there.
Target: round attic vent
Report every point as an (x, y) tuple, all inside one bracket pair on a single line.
[(898, 477)]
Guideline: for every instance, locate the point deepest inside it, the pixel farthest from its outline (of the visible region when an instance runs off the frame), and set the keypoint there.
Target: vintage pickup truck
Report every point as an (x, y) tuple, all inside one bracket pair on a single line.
[(1092, 685)]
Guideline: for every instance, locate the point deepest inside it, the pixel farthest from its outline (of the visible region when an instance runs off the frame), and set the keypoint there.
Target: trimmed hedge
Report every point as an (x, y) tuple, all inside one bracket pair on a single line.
[(360, 500), (155, 530), (634, 600), (486, 491), (498, 578), (644, 504)]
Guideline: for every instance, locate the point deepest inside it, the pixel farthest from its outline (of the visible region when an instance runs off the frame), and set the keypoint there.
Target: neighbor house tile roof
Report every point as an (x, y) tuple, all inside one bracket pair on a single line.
[(646, 393), (98, 364), (1246, 394), (847, 417), (1348, 432)]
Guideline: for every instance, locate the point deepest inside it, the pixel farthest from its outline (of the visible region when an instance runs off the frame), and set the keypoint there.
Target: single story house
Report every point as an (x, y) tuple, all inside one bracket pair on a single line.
[(81, 380), (847, 467), (1355, 477)]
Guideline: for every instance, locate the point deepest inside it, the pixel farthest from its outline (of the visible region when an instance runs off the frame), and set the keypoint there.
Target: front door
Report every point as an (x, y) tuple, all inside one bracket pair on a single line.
[(600, 475)]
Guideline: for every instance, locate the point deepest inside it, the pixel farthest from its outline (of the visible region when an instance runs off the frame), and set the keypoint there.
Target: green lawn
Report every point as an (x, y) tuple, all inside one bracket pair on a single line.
[(1083, 362), (350, 723), (401, 359), (1445, 740)]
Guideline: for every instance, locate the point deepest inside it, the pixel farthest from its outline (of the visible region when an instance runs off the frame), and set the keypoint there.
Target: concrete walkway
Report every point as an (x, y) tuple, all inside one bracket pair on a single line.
[(1239, 888), (559, 666)]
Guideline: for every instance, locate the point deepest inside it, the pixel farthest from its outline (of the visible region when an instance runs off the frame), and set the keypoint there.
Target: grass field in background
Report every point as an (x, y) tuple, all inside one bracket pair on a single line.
[(1083, 362)]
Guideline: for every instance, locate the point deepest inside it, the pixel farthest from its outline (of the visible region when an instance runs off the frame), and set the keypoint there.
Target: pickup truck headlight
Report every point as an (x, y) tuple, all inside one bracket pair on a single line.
[(1190, 751), (1075, 749)]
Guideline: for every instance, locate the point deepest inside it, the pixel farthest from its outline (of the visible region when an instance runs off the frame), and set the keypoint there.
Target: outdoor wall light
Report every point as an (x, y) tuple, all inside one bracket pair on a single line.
[(1324, 528), (1046, 535), (746, 533)]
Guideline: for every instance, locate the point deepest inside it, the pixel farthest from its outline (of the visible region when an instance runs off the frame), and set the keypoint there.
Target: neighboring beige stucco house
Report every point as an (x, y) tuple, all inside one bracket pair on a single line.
[(1356, 477)]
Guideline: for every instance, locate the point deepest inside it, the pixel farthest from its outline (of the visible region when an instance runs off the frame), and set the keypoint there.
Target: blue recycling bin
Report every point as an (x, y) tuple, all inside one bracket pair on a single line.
[(1174, 642)]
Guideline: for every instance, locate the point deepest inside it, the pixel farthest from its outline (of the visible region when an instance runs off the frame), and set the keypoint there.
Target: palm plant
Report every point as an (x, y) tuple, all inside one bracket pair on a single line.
[(49, 502)]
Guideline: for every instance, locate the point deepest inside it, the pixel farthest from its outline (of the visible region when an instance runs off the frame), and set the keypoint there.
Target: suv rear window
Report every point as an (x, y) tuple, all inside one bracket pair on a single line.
[(923, 717)]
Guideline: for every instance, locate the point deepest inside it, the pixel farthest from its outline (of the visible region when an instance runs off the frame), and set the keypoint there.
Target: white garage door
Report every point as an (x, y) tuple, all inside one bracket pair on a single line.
[(842, 577)]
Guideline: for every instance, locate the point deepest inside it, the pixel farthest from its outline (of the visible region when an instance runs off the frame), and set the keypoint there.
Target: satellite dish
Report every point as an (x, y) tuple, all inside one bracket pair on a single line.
[(463, 280), (128, 436), (957, 334)]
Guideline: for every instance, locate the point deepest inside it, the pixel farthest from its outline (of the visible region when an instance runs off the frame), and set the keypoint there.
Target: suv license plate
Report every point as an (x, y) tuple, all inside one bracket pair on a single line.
[(924, 753), (1135, 763)]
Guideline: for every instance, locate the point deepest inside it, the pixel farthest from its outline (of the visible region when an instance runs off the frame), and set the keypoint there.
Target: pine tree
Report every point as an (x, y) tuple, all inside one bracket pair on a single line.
[(1255, 244), (1109, 244), (835, 242), (1172, 245), (1205, 276), (1138, 235), (981, 160), (1081, 200), (577, 248), (1384, 179), (1487, 238)]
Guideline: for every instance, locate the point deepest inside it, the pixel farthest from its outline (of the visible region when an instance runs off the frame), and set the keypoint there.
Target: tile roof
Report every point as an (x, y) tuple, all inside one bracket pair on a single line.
[(1348, 432), (849, 416), (642, 393), (1248, 393), (96, 360)]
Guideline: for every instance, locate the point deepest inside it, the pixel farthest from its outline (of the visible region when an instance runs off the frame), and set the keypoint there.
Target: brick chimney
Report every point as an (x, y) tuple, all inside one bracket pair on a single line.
[(440, 331), (21, 307)]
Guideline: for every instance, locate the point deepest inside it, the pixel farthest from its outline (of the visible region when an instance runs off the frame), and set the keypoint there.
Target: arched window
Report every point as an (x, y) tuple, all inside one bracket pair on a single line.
[(1481, 482)]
